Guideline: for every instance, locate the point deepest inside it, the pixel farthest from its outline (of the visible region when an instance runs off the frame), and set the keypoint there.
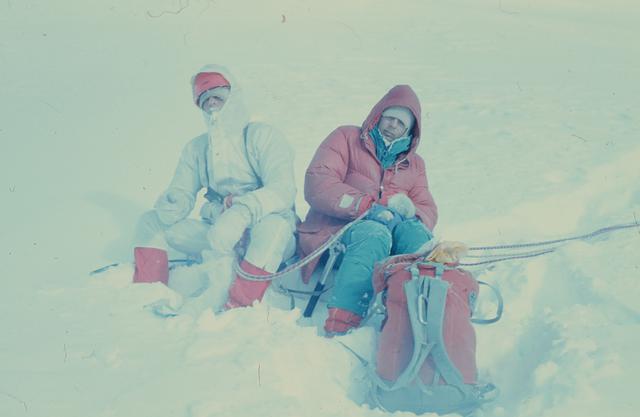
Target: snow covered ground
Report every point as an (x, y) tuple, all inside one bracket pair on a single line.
[(530, 132)]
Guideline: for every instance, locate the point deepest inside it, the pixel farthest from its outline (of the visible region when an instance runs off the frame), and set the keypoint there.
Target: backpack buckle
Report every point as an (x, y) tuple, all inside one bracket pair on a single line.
[(423, 303)]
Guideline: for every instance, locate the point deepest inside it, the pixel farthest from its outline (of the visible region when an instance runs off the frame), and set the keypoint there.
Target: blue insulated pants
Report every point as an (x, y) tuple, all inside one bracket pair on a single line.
[(368, 242), (409, 236)]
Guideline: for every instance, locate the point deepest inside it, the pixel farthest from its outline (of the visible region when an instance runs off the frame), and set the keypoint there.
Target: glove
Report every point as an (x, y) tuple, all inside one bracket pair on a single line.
[(448, 252), (211, 210), (365, 204), (229, 228), (384, 215), (403, 205), (173, 206)]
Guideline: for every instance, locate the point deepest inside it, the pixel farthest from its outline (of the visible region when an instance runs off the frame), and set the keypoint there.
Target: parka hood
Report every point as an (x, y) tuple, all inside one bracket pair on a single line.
[(233, 117), (400, 95), (225, 128)]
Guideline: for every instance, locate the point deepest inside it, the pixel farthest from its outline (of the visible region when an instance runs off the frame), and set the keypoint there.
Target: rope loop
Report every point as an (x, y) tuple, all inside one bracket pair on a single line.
[(302, 262)]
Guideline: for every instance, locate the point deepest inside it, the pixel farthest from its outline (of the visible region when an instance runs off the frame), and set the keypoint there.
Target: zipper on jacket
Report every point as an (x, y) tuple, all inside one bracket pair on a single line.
[(363, 137)]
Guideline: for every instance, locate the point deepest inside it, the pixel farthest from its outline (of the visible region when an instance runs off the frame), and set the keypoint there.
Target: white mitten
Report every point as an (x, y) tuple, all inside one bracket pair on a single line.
[(402, 204), (211, 210), (229, 228), (173, 206)]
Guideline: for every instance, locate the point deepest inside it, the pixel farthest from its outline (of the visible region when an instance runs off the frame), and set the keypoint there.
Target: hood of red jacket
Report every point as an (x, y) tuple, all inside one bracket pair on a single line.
[(400, 95)]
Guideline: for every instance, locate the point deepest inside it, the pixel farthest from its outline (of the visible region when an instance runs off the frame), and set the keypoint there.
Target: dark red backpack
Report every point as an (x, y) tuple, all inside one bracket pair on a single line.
[(426, 353)]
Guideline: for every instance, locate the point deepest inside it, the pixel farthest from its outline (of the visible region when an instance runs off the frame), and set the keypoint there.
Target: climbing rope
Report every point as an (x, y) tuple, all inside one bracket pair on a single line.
[(524, 255), (495, 257), (302, 262), (595, 233), (509, 258)]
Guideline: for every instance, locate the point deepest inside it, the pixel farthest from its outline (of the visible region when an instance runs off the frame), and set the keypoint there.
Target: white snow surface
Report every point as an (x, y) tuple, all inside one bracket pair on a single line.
[(530, 115)]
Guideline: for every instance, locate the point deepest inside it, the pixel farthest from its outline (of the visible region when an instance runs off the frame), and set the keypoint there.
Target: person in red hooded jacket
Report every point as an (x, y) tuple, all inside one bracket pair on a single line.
[(375, 169)]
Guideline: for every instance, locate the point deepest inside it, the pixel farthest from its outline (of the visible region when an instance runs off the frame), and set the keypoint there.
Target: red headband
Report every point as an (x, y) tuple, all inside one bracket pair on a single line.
[(206, 81)]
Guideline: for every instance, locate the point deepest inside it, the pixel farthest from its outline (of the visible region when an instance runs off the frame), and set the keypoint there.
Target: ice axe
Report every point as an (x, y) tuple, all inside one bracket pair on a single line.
[(334, 251)]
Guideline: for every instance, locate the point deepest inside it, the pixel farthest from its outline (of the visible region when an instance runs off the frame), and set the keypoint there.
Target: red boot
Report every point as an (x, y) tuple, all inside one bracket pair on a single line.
[(244, 292), (152, 265), (340, 322)]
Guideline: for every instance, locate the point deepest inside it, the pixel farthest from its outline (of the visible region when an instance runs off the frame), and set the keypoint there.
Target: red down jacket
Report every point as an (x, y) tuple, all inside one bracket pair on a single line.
[(345, 172)]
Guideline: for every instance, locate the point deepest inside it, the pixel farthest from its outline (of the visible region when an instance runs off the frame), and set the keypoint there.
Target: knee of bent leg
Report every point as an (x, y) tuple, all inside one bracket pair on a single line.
[(271, 230), (150, 221), (412, 227), (179, 234), (270, 239), (410, 235), (373, 233), (149, 231)]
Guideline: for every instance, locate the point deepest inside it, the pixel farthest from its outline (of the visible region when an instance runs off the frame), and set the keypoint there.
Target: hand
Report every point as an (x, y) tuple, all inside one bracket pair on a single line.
[(365, 204), (229, 228), (211, 210), (172, 197), (403, 205), (384, 215), (173, 206), (228, 201)]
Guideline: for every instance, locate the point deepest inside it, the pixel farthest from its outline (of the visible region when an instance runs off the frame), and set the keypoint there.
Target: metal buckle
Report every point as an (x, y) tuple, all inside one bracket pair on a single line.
[(423, 303)]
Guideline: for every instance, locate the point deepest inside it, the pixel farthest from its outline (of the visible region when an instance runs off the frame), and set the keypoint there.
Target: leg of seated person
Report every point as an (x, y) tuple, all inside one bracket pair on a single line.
[(366, 243), (409, 236), (271, 241)]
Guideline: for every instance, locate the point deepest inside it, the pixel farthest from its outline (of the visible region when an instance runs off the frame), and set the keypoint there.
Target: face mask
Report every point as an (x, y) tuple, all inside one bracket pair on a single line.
[(210, 119)]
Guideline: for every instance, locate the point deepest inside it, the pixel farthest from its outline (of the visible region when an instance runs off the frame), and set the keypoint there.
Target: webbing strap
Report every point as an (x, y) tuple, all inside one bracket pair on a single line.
[(439, 271), (434, 329), (426, 303), (427, 333), (421, 347), (246, 153), (499, 309), (437, 266), (427, 338)]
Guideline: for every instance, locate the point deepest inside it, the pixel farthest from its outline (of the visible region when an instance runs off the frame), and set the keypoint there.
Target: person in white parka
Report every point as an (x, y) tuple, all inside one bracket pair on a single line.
[(247, 171)]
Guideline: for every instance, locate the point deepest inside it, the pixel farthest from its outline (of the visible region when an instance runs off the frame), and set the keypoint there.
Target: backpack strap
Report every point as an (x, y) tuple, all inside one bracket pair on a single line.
[(426, 301), (439, 270), (499, 310), (421, 345), (211, 194), (252, 164), (436, 301)]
